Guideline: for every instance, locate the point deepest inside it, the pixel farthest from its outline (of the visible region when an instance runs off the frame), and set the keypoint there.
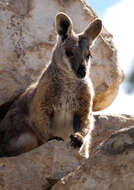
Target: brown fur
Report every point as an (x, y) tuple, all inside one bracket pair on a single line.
[(60, 104)]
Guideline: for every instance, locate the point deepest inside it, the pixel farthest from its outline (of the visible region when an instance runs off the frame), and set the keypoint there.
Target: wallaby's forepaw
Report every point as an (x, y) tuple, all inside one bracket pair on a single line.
[(76, 140)]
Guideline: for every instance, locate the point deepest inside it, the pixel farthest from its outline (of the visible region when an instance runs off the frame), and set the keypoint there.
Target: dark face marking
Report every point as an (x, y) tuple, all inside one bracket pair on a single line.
[(77, 51), (69, 53)]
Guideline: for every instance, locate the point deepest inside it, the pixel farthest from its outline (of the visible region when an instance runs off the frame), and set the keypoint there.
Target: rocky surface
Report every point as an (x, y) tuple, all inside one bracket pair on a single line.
[(105, 125), (27, 36), (38, 169), (109, 167)]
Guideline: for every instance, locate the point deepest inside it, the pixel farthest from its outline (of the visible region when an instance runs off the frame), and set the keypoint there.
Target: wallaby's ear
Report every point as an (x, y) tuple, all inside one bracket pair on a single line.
[(93, 30), (63, 25)]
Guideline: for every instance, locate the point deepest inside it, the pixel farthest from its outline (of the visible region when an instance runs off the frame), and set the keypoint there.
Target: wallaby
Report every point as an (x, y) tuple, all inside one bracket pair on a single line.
[(59, 105)]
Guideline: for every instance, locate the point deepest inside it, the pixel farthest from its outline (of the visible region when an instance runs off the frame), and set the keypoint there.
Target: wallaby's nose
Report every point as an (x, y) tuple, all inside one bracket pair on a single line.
[(81, 72)]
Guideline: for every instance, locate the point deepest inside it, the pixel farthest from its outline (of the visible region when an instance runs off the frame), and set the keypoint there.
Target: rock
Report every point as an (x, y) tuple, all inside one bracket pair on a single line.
[(112, 167), (119, 141), (27, 36), (105, 125), (38, 169), (110, 163)]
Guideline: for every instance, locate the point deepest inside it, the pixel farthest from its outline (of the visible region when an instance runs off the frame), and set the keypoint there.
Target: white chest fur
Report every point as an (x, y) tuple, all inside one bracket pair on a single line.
[(63, 123), (64, 112), (65, 109)]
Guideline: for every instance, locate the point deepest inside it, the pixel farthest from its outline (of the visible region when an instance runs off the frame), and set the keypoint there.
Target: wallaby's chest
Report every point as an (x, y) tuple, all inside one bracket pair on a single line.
[(64, 110), (63, 124)]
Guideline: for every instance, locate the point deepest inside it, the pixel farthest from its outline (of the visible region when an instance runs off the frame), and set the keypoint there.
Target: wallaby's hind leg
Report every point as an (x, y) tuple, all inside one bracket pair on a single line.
[(17, 145), (16, 135)]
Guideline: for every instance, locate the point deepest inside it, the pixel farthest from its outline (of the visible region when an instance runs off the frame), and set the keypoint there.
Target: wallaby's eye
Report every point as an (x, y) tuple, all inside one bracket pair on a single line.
[(69, 53), (88, 55)]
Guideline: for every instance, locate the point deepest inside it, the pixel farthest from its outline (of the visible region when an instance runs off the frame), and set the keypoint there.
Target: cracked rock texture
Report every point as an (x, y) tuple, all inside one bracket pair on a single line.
[(27, 36), (105, 125), (57, 166), (38, 169), (111, 168)]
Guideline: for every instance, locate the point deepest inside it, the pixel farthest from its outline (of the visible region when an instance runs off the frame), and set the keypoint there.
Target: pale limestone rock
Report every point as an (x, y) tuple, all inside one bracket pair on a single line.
[(38, 169), (105, 125), (27, 36), (111, 168)]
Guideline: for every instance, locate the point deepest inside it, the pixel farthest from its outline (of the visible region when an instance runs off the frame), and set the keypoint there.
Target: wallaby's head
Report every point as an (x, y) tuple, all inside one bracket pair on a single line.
[(72, 50)]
